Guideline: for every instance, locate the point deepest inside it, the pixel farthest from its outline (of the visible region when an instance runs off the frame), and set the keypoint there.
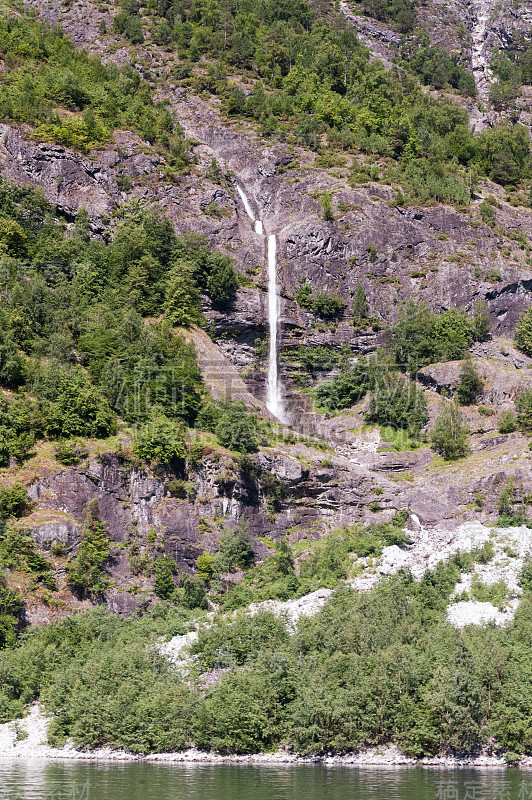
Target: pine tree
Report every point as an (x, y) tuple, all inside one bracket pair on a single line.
[(86, 575), (523, 332), (164, 580), (360, 307), (481, 321), (470, 385), (450, 435), (326, 207)]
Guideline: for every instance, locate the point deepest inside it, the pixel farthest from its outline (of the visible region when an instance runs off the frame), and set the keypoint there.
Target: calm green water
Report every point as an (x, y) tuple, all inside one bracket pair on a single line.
[(37, 780)]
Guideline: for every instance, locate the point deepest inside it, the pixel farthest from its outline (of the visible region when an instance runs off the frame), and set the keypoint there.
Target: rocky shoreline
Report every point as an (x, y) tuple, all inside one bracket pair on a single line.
[(26, 739)]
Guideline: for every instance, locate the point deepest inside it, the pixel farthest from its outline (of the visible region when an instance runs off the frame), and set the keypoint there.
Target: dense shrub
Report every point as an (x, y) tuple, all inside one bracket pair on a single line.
[(160, 440), (419, 337), (86, 570), (328, 305), (234, 427), (14, 501), (399, 403), (450, 435), (523, 332), (470, 384)]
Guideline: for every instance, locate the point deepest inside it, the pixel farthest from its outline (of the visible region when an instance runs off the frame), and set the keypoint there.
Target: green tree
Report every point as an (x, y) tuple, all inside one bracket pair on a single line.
[(326, 207), (164, 587), (182, 303), (14, 501), (12, 615), (399, 402), (13, 239), (504, 153), (449, 434), (12, 371), (481, 321), (71, 405), (193, 592), (523, 332), (86, 570), (160, 440), (235, 550), (470, 384), (328, 305), (284, 557), (507, 422), (359, 307), (523, 406), (221, 283), (420, 337), (506, 499), (233, 426)]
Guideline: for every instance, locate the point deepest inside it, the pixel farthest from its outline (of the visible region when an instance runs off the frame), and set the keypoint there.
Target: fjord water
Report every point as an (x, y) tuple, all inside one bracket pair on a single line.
[(41, 780)]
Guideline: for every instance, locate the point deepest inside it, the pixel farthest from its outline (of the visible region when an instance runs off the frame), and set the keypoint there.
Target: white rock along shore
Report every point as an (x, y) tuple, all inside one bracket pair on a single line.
[(26, 739)]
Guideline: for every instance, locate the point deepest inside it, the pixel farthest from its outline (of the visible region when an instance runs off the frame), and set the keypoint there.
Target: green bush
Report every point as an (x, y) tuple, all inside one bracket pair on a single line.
[(449, 433), (507, 422), (523, 332), (420, 338), (523, 407), (234, 427), (86, 570), (470, 384), (399, 403), (14, 501), (160, 441)]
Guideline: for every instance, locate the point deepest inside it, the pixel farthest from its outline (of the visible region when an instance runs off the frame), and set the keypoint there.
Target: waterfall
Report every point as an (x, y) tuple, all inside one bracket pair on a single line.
[(274, 402), (257, 224)]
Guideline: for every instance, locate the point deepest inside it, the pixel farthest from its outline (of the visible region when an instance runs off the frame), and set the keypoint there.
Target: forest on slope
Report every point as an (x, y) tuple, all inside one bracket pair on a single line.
[(127, 482)]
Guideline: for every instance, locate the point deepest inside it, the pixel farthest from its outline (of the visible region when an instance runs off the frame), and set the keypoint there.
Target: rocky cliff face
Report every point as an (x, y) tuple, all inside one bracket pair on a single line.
[(438, 255)]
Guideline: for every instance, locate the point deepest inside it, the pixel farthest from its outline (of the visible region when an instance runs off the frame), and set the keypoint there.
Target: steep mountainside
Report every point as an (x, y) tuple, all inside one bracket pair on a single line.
[(385, 147), (444, 256)]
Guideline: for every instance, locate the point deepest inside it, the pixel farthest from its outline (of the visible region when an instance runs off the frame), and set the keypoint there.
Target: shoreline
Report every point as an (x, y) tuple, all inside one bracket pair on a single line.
[(25, 739), (193, 757)]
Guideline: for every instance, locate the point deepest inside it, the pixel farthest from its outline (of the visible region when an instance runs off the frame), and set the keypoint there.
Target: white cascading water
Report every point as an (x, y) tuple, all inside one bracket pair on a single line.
[(257, 224), (274, 402)]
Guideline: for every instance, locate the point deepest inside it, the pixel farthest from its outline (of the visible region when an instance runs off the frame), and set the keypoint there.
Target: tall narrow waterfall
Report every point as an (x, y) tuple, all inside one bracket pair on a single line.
[(274, 401)]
